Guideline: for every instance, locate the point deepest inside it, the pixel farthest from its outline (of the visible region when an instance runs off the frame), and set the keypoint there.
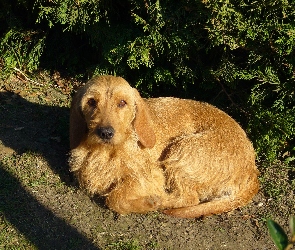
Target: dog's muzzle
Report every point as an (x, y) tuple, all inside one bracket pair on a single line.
[(105, 133)]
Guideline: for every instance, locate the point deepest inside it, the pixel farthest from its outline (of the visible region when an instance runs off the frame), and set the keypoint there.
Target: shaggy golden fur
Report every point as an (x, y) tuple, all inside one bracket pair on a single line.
[(183, 157)]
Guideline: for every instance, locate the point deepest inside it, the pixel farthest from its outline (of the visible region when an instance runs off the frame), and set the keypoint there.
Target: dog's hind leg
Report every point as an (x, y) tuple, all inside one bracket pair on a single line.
[(204, 180)]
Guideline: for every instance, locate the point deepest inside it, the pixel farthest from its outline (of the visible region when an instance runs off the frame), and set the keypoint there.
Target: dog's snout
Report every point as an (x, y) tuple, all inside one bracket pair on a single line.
[(106, 133)]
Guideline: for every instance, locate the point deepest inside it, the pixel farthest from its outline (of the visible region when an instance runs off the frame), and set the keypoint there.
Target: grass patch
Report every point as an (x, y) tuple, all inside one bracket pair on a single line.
[(125, 245), (277, 180), (10, 238)]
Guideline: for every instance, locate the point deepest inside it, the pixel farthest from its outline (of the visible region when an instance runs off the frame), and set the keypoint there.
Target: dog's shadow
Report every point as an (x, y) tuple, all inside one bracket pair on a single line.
[(42, 129)]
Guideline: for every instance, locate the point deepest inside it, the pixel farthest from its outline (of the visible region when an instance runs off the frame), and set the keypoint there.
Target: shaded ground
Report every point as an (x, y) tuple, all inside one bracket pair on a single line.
[(41, 206)]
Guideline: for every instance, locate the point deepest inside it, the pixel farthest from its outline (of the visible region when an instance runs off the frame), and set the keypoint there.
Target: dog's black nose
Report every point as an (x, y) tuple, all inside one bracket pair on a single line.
[(105, 133)]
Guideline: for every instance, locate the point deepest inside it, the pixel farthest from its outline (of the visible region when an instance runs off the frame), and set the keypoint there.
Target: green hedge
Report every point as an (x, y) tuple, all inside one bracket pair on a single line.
[(237, 55)]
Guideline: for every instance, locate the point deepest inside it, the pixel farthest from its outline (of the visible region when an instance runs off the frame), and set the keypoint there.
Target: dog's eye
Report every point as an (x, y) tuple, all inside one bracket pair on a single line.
[(121, 104), (91, 102)]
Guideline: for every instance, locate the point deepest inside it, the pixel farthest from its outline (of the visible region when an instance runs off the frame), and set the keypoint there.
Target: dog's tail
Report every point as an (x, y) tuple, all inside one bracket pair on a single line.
[(204, 209), (215, 206)]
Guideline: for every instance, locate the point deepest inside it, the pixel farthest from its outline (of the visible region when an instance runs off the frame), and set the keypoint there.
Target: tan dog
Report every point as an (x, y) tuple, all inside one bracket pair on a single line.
[(184, 157)]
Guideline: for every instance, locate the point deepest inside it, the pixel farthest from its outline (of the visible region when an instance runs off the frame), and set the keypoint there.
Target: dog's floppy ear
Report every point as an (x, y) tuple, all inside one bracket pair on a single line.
[(143, 123), (78, 126)]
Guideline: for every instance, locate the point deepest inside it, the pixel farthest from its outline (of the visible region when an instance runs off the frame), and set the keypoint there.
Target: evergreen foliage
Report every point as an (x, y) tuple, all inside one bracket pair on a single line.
[(238, 55)]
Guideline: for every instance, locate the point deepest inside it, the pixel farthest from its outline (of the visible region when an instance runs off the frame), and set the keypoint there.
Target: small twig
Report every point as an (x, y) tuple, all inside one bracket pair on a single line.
[(27, 78), (215, 97), (289, 246), (229, 97), (146, 5), (224, 90)]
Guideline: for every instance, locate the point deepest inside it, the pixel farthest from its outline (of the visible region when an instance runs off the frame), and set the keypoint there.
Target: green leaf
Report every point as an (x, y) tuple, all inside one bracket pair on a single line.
[(289, 159), (277, 234)]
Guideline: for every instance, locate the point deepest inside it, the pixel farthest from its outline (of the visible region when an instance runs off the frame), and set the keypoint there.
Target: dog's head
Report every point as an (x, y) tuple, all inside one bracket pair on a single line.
[(107, 110)]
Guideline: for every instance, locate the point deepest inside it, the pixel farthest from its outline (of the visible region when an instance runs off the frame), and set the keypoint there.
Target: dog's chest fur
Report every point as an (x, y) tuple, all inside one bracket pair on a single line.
[(102, 168)]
